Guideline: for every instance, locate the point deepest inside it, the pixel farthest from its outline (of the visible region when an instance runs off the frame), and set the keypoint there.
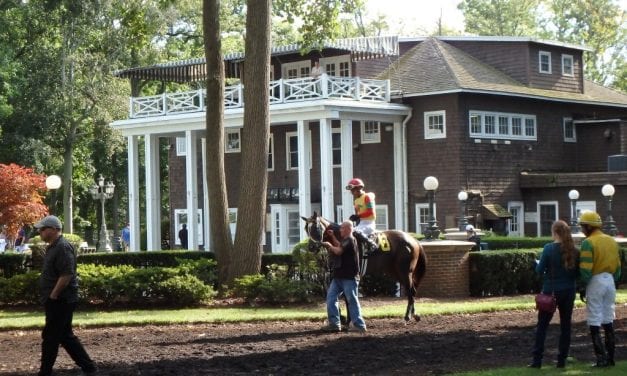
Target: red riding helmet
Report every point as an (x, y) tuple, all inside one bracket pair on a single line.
[(354, 183)]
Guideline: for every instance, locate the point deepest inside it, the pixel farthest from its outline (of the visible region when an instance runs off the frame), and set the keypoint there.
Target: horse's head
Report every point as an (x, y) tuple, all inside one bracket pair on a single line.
[(314, 228)]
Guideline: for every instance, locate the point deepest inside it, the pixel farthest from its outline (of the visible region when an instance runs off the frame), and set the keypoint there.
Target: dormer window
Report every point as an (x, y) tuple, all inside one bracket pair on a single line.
[(567, 65), (545, 62)]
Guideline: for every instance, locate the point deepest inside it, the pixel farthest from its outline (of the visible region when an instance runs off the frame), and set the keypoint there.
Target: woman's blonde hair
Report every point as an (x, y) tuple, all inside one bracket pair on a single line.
[(568, 250)]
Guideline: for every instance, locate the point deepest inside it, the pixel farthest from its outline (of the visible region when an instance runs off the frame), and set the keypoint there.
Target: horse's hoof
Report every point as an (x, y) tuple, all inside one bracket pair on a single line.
[(417, 318)]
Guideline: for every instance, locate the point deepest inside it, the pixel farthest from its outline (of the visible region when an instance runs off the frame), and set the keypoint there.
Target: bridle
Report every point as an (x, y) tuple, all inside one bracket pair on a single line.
[(315, 231)]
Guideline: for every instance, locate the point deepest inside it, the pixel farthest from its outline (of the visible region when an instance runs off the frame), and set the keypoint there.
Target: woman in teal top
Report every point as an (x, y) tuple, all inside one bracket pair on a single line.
[(558, 266)]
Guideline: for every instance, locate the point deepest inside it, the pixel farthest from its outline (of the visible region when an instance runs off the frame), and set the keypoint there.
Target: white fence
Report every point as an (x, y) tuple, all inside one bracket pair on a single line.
[(281, 91)]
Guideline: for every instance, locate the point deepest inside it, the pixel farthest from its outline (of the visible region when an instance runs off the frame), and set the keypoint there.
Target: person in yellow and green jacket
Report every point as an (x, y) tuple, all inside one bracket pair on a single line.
[(600, 270)]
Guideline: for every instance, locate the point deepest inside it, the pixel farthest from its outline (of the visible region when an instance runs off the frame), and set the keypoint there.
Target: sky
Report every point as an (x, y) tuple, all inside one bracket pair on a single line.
[(419, 17)]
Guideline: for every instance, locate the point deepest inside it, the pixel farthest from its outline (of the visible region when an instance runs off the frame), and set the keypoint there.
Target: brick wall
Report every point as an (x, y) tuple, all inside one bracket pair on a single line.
[(447, 270)]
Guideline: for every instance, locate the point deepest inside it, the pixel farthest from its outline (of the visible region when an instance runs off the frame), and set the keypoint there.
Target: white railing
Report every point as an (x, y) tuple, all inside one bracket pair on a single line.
[(281, 91)]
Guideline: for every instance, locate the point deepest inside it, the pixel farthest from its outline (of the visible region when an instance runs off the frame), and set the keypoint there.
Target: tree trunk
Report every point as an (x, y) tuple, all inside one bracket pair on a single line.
[(216, 180), (246, 258), (68, 195)]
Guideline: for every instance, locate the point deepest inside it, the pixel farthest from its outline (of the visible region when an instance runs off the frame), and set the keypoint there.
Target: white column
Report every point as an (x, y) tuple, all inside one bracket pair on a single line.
[(326, 169), (153, 193), (304, 181), (133, 193), (399, 178), (191, 189), (205, 202), (347, 167)]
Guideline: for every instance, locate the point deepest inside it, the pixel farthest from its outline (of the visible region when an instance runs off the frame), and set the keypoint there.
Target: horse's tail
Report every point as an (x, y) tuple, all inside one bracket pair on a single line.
[(418, 265)]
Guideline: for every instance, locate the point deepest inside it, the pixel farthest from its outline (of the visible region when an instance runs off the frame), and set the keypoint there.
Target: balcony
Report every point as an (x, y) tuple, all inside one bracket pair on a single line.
[(281, 91)]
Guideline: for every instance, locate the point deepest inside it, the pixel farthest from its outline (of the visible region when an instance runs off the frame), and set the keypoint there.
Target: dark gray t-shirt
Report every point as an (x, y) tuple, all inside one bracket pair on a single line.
[(59, 260)]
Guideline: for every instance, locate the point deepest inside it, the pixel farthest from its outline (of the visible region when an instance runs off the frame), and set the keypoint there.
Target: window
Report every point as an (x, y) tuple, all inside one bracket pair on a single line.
[(502, 125), (338, 66), (336, 145), (296, 69), (545, 62), (370, 132), (435, 124), (516, 222), (569, 130), (233, 222), (232, 141), (567, 65), (381, 221), (271, 153), (181, 147), (422, 217), (291, 144)]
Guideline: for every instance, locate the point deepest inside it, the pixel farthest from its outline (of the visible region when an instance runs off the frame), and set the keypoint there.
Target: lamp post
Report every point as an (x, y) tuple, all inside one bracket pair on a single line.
[(573, 195), (462, 197), (102, 192), (53, 182), (609, 227), (431, 184)]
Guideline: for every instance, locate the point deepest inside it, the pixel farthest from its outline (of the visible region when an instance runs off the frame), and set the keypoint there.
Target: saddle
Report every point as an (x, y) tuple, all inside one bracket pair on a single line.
[(376, 241)]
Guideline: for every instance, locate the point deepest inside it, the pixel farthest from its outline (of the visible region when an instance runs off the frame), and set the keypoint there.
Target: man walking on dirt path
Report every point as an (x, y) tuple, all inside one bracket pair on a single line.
[(59, 294), (599, 268)]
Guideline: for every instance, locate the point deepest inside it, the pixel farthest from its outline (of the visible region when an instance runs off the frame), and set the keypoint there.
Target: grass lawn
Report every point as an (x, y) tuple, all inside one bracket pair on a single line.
[(376, 308), (573, 368)]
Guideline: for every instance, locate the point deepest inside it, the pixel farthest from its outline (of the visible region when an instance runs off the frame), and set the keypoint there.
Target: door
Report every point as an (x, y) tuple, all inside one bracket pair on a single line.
[(515, 224), (547, 214)]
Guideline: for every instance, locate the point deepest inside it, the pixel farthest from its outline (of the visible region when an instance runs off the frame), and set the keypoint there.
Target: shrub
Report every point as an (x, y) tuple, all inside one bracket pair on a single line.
[(275, 287), (503, 272), (20, 289), (185, 290)]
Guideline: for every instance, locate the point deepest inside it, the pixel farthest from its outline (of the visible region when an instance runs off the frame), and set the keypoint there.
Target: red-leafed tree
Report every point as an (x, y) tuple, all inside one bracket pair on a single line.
[(21, 199)]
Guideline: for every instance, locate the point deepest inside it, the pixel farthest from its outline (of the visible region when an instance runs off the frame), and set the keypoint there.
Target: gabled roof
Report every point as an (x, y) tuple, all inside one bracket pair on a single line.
[(435, 67), (493, 38)]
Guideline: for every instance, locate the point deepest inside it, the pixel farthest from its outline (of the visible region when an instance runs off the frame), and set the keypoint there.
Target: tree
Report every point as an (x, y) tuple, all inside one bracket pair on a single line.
[(500, 17), (21, 200), (320, 22), (598, 24), (253, 178)]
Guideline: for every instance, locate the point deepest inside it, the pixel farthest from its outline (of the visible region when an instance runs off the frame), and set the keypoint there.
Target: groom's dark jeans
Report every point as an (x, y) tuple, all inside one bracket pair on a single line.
[(58, 331)]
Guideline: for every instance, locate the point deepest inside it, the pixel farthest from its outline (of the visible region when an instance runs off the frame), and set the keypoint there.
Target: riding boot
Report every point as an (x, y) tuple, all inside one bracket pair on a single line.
[(364, 243), (610, 342), (599, 347)]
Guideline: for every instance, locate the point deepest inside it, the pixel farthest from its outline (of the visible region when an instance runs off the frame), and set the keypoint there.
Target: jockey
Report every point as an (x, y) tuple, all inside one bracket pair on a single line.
[(364, 216)]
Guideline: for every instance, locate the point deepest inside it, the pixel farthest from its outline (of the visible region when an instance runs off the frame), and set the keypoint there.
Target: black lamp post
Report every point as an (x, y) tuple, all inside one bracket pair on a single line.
[(609, 227), (573, 195), (103, 192), (431, 184), (462, 197)]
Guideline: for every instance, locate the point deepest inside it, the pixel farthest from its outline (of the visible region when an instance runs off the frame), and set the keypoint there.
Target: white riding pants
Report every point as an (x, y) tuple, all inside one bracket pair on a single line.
[(366, 227), (600, 298)]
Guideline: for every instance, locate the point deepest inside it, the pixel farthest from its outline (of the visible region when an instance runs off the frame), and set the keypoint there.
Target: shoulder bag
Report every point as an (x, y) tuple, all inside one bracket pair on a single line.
[(546, 302)]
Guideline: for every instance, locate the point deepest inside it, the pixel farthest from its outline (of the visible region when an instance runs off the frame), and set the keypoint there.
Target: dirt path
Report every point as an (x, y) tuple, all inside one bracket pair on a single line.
[(435, 345)]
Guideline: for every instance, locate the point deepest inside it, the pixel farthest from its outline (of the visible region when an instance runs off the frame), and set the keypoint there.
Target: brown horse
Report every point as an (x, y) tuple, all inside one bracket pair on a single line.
[(404, 259)]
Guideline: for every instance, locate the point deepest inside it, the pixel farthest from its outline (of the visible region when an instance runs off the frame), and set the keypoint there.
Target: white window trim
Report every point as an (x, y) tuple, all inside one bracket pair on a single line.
[(377, 136), (540, 55), (181, 147), (381, 213), (417, 213), (496, 134), (227, 148), (288, 167), (271, 151), (428, 134), (298, 65), (521, 217), (572, 65), (569, 139), (336, 60)]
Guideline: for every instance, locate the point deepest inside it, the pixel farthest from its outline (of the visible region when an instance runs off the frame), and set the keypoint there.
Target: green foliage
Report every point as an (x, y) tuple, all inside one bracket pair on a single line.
[(277, 286), (20, 289), (12, 264), (500, 17), (503, 272), (143, 259), (507, 242)]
